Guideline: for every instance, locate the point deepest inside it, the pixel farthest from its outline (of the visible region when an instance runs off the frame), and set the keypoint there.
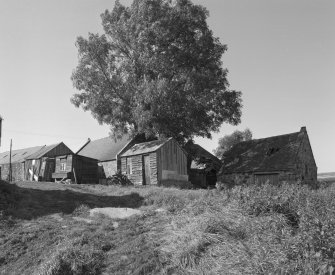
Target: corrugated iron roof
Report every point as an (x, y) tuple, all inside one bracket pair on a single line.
[(19, 155), (104, 149), (276, 153), (45, 149), (145, 148)]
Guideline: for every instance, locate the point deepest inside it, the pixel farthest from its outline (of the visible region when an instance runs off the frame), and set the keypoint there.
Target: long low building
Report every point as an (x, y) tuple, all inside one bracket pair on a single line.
[(40, 163)]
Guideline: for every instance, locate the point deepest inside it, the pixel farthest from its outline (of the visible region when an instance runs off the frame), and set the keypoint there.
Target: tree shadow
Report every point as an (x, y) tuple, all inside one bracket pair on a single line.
[(29, 203)]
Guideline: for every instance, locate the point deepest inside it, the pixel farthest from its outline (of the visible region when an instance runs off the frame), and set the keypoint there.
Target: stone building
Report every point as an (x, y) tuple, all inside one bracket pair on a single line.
[(284, 158)]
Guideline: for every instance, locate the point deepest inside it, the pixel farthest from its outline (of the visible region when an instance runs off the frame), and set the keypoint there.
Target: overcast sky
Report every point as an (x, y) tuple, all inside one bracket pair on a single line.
[(280, 55)]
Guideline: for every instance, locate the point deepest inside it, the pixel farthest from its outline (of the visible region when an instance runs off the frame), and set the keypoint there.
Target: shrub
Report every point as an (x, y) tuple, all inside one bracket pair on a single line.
[(119, 179)]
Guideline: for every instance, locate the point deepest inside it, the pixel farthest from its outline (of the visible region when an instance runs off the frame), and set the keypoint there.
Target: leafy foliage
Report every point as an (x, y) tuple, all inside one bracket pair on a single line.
[(228, 141), (157, 70)]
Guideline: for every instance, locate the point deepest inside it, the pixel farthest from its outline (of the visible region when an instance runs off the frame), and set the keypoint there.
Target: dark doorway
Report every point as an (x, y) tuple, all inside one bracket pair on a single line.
[(147, 171)]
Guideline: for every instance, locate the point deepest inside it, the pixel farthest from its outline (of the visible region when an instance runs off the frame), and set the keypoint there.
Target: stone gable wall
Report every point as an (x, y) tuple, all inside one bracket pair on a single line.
[(306, 166)]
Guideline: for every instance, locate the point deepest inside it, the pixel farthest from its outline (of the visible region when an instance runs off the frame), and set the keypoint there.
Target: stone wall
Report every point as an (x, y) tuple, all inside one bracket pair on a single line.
[(107, 169), (249, 178), (306, 166), (17, 171)]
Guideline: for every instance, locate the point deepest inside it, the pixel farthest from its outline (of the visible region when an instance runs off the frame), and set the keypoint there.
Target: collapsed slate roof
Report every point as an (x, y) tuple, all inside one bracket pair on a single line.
[(277, 153), (104, 149), (145, 147)]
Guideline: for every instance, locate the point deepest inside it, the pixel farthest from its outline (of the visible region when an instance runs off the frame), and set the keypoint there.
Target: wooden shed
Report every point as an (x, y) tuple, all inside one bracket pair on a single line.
[(75, 168), (18, 159), (161, 162), (107, 151), (40, 165)]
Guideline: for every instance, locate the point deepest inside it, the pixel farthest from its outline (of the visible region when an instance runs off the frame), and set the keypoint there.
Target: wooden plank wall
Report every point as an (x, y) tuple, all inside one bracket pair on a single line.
[(59, 150), (68, 164), (86, 169), (172, 158), (137, 174)]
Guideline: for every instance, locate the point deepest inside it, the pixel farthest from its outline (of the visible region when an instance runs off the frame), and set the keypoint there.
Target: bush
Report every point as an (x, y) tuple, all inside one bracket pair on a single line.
[(119, 179)]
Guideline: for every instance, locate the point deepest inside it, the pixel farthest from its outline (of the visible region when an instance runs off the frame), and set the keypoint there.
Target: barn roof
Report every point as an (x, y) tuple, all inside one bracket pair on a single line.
[(19, 155), (104, 149), (145, 147), (44, 150), (201, 158), (277, 153)]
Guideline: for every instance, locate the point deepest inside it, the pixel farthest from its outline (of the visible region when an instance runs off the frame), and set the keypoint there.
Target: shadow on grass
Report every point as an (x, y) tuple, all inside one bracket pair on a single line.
[(26, 203)]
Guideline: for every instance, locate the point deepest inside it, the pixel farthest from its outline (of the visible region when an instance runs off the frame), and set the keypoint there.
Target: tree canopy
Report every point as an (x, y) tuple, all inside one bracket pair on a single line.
[(156, 70), (228, 141)]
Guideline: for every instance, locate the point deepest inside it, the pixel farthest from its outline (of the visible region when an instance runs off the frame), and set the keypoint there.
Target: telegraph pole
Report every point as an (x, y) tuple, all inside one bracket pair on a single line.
[(10, 161), (0, 128)]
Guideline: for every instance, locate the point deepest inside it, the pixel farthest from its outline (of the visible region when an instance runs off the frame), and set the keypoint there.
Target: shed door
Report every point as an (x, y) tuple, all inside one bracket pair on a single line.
[(267, 178), (147, 171)]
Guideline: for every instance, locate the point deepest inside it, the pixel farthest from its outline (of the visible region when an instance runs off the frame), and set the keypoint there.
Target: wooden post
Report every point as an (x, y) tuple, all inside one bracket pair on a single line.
[(0, 128), (10, 161), (75, 176)]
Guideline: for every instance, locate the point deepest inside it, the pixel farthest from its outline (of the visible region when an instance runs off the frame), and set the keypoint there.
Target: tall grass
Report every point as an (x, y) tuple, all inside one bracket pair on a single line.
[(287, 229)]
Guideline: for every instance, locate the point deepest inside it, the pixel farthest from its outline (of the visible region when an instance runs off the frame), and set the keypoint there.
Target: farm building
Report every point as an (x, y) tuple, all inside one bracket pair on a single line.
[(161, 162), (18, 163), (202, 166), (33, 164), (107, 151), (40, 165), (77, 169), (284, 158)]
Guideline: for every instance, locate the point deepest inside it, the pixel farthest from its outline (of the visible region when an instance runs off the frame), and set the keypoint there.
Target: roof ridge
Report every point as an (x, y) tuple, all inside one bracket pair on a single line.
[(109, 138), (26, 148), (270, 137)]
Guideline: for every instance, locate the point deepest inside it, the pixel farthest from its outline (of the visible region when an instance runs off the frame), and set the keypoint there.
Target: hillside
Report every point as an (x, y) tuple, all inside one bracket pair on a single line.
[(46, 229)]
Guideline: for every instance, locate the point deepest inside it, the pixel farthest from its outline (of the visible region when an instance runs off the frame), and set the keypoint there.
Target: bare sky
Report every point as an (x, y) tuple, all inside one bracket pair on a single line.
[(280, 55)]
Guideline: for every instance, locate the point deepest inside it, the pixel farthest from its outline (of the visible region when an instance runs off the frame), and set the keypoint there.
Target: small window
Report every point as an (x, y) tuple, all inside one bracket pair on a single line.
[(63, 164), (271, 151), (129, 166)]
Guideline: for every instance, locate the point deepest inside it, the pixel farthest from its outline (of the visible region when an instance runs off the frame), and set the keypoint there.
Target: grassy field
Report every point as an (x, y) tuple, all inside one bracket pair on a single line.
[(250, 230), (327, 177)]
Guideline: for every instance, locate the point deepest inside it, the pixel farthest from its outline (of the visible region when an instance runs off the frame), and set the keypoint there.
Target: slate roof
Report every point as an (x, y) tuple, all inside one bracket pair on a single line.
[(201, 158), (145, 147), (19, 155), (104, 149), (276, 153)]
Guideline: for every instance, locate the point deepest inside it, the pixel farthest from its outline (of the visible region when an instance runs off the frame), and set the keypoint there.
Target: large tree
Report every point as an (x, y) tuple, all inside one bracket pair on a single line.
[(157, 70), (228, 141)]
